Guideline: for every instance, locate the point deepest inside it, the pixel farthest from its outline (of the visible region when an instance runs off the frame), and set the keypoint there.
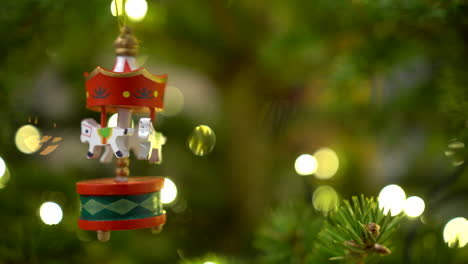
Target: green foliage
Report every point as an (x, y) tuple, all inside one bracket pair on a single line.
[(357, 230), (289, 234)]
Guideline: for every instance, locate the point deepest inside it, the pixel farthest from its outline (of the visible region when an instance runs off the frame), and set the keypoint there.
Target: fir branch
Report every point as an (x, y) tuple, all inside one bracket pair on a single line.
[(356, 231), (289, 235)]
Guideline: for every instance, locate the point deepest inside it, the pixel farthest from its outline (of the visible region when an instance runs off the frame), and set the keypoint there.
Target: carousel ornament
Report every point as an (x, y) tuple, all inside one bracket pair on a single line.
[(123, 202)]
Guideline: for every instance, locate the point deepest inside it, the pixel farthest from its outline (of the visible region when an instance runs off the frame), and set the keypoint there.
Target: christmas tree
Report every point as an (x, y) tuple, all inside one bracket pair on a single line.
[(297, 131)]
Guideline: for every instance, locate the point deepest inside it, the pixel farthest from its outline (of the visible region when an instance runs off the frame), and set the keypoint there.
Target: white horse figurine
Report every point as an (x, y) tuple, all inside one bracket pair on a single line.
[(146, 143), (97, 137)]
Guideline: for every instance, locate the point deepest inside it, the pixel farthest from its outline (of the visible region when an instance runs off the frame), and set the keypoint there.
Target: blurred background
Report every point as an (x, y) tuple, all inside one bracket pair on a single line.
[(304, 102)]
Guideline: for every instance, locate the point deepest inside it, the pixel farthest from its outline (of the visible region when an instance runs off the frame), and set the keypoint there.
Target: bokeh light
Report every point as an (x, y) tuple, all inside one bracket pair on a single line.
[(202, 140), (50, 213), (325, 199), (4, 178), (2, 167), (169, 191), (136, 9), (414, 206), (173, 101), (112, 122), (393, 198), (456, 152), (305, 164), (28, 139), (209, 262), (119, 7), (328, 163), (4, 174), (456, 232)]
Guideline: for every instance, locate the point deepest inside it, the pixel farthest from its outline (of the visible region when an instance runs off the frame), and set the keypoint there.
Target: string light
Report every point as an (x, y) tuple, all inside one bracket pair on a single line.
[(113, 120), (325, 199), (328, 163), (392, 198), (414, 206), (202, 140), (456, 232), (169, 191), (50, 213), (173, 101), (136, 9), (2, 167), (119, 7), (28, 139), (305, 164), (4, 174)]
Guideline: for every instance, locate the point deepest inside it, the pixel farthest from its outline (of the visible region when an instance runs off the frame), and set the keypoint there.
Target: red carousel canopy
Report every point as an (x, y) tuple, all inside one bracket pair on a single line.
[(138, 90)]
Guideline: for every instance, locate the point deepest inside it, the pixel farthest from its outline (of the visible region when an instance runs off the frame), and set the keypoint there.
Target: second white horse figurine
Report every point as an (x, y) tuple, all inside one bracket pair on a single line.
[(145, 142)]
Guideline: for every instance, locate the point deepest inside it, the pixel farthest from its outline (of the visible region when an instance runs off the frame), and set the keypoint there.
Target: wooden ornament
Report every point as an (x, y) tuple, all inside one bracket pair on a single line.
[(123, 202)]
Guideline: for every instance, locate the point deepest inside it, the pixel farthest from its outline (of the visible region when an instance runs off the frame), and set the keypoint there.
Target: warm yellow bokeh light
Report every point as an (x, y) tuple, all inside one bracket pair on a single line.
[(456, 144), (169, 191), (325, 199), (113, 120), (119, 7), (2, 167), (50, 213), (209, 262), (305, 164), (28, 139), (392, 198), (4, 178), (136, 9), (4, 174), (173, 101), (202, 140), (455, 152), (328, 163), (414, 206), (456, 230)]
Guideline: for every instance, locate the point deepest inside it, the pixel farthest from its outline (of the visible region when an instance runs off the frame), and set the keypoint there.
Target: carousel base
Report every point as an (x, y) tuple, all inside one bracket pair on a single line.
[(108, 205)]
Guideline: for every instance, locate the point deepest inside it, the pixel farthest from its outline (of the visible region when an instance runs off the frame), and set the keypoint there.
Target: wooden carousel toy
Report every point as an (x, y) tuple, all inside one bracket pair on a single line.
[(122, 202)]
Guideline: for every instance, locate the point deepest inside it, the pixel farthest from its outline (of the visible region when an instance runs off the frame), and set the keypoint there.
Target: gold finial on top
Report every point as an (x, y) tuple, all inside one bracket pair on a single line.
[(126, 43)]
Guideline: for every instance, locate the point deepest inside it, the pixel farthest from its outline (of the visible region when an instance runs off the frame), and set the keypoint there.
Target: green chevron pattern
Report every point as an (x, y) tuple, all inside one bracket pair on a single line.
[(120, 207)]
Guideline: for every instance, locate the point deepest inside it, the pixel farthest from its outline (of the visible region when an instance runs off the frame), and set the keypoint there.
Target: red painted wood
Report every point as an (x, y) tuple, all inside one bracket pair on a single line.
[(133, 90), (108, 186), (152, 115), (127, 67), (122, 224), (103, 116)]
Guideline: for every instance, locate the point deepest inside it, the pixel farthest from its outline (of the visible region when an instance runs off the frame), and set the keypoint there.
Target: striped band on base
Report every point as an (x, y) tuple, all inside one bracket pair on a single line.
[(122, 224)]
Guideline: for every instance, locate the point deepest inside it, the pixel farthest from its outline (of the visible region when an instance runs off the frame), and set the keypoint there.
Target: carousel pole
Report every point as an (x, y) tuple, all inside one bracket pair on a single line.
[(126, 48)]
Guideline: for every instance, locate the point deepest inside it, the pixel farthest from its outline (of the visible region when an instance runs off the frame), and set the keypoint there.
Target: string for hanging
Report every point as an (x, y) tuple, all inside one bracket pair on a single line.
[(123, 13), (121, 16)]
